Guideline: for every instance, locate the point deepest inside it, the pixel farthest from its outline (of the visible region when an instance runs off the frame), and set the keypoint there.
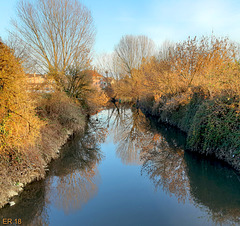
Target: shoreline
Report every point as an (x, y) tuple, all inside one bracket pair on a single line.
[(14, 190), (226, 159), (206, 132)]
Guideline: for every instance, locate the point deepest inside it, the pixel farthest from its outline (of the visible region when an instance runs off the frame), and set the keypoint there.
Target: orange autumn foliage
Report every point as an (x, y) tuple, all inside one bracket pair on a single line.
[(19, 125), (208, 62)]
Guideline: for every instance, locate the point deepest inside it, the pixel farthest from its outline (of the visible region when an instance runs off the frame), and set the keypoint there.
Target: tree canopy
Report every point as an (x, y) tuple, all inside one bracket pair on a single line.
[(56, 33)]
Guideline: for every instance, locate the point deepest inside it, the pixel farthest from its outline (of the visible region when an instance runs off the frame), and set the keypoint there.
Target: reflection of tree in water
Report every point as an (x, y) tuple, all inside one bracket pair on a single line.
[(163, 159), (215, 186), (190, 177), (166, 167), (132, 136), (75, 176), (71, 182), (30, 206), (129, 128)]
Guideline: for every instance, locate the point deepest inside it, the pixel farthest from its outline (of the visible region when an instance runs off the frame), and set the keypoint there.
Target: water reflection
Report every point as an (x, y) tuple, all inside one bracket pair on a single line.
[(215, 186), (129, 131), (167, 169), (206, 183), (30, 207), (160, 150), (74, 178), (131, 137)]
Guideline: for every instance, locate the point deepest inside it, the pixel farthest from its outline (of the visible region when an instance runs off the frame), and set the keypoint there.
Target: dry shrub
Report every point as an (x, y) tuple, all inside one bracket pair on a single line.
[(59, 107), (53, 137), (173, 103), (29, 142), (29, 139), (22, 169), (96, 99), (208, 62), (63, 116)]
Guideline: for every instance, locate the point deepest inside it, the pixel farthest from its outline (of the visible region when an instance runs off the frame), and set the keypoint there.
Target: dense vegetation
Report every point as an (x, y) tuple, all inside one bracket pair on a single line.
[(32, 127), (35, 124), (34, 121), (193, 85)]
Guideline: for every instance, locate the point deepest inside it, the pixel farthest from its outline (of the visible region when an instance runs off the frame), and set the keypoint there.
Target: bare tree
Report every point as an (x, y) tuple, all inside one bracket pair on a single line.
[(132, 51), (166, 50), (57, 34), (106, 65), (21, 52)]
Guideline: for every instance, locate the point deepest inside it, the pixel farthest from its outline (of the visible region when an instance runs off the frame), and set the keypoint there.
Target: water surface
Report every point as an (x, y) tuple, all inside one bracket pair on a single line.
[(128, 170)]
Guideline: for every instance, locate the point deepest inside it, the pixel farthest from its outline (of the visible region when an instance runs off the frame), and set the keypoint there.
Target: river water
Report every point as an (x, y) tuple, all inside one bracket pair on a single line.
[(129, 170)]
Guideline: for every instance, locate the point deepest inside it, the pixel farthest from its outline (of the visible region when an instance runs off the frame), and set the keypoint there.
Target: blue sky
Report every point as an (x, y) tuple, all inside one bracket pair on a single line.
[(158, 19)]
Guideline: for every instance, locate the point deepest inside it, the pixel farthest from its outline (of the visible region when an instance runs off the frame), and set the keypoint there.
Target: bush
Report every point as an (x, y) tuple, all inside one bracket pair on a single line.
[(216, 126), (198, 96), (179, 109), (59, 107), (19, 125), (212, 124), (96, 99), (29, 139)]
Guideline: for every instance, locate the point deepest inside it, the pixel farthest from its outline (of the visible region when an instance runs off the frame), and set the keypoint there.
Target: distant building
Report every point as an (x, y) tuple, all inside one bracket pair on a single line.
[(98, 80), (40, 83)]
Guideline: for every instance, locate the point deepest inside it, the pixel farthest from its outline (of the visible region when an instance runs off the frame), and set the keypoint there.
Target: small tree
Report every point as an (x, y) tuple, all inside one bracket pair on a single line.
[(166, 49), (79, 82), (131, 53), (108, 66)]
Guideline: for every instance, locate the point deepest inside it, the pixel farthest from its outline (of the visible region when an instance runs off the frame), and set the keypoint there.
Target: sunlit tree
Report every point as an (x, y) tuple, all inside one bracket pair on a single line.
[(19, 126), (56, 33)]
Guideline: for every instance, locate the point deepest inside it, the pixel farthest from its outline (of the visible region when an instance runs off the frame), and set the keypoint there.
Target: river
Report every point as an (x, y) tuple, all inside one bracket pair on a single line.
[(129, 170)]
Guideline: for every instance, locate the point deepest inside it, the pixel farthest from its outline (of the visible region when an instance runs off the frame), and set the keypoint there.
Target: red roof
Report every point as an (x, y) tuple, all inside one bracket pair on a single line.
[(93, 73)]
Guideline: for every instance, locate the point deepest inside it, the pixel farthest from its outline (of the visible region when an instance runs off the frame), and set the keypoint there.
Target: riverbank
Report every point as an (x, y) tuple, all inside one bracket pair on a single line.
[(121, 162), (212, 125), (36, 118), (62, 117)]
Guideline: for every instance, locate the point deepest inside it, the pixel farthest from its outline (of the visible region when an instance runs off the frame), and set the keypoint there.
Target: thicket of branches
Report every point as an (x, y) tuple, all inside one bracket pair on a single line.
[(209, 62)]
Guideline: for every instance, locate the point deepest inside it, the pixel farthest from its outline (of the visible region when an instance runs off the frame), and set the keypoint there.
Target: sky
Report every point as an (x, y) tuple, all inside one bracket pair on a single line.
[(160, 20)]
